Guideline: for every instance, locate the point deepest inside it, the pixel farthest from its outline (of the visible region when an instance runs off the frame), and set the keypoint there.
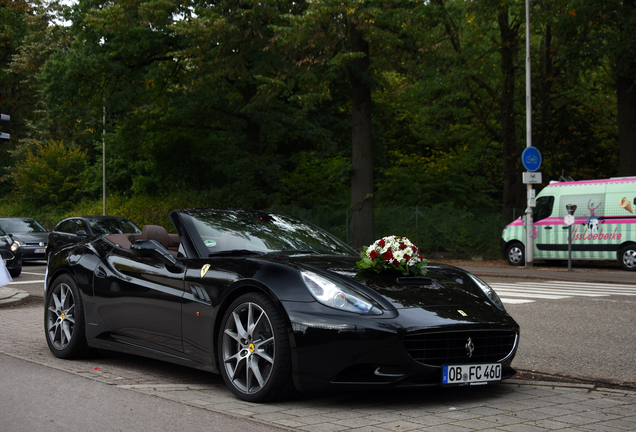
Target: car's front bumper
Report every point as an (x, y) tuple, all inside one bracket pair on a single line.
[(33, 252), (12, 260), (349, 351)]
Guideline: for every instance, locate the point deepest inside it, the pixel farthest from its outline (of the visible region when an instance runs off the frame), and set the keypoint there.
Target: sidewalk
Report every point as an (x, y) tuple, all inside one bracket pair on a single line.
[(12, 297)]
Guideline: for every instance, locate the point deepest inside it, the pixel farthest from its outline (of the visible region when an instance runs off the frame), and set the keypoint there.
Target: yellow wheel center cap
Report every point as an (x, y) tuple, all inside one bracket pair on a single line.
[(63, 316), (251, 348)]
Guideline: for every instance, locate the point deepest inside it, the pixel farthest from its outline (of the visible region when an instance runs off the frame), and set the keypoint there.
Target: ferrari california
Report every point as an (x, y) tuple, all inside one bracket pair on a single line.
[(274, 304)]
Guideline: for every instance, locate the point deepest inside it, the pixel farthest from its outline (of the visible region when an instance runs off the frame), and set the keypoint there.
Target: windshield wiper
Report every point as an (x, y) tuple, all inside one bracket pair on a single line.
[(235, 252), (296, 252)]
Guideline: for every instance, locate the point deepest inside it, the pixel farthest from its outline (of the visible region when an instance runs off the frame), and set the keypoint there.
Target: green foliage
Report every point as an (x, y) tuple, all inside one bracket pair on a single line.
[(248, 104), (440, 177), (317, 182), (444, 228), (52, 176)]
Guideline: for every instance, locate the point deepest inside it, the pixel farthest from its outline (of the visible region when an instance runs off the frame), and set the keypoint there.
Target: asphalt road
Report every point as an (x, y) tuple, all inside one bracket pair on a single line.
[(585, 338)]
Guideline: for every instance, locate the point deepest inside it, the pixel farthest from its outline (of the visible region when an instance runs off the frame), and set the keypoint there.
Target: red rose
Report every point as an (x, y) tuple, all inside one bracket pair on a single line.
[(373, 254), (402, 246), (407, 257), (387, 256), (381, 243), (395, 263)]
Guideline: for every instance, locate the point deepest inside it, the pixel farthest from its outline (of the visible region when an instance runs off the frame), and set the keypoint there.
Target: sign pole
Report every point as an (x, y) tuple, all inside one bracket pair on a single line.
[(529, 219), (569, 221), (104, 161), (570, 248)]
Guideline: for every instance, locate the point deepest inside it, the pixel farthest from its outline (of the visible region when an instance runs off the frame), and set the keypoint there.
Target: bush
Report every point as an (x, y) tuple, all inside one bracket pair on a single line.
[(52, 177)]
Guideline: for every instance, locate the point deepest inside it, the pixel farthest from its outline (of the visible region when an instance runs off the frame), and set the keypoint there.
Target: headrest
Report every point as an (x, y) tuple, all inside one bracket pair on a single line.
[(156, 232)]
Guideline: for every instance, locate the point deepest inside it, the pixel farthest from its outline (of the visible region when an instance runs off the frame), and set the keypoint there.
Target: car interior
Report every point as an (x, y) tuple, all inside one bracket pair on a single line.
[(148, 232)]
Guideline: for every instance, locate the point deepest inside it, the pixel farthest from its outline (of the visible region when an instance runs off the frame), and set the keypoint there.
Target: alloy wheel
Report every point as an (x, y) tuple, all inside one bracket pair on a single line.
[(248, 348), (61, 316)]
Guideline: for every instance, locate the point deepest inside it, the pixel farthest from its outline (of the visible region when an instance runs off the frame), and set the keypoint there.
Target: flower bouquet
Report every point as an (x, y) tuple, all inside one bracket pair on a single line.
[(393, 253)]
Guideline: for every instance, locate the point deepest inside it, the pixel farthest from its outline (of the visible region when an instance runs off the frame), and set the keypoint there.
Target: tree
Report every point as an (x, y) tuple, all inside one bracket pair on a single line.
[(15, 96), (52, 176), (342, 47), (625, 66)]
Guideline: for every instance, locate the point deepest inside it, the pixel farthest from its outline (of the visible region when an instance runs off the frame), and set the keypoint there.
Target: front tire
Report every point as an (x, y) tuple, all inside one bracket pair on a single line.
[(627, 258), (516, 254), (64, 319), (15, 272), (254, 350)]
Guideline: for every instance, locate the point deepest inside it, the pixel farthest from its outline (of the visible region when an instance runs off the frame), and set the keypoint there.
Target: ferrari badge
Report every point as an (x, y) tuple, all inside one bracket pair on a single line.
[(205, 269)]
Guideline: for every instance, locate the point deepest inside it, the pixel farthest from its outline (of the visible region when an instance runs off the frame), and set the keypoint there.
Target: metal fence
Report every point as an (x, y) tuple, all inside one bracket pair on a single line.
[(440, 228)]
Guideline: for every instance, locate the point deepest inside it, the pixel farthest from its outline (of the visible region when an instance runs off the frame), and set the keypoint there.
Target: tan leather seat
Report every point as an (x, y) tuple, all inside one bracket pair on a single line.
[(156, 232)]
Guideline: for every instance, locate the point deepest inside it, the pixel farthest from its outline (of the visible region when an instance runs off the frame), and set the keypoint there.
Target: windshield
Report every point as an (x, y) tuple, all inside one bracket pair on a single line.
[(113, 226), (20, 226), (227, 230)]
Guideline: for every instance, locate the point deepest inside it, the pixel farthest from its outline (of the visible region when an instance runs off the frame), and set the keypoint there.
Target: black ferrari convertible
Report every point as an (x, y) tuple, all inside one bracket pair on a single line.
[(274, 304)]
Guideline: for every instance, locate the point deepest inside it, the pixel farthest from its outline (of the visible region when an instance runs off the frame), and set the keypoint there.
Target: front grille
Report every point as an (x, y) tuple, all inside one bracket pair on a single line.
[(444, 348)]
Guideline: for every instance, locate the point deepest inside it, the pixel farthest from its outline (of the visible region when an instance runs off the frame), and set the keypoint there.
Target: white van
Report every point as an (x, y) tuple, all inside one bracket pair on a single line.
[(604, 227)]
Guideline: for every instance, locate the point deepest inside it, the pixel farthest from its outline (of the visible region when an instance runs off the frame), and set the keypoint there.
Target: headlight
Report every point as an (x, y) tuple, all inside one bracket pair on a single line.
[(490, 293), (334, 295), (15, 246)]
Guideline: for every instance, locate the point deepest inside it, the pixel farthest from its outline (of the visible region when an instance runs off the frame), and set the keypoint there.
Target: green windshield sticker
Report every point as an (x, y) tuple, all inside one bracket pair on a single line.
[(210, 243)]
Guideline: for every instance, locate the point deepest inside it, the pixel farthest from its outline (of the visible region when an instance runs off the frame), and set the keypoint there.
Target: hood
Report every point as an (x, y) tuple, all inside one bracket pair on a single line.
[(441, 286), (34, 237)]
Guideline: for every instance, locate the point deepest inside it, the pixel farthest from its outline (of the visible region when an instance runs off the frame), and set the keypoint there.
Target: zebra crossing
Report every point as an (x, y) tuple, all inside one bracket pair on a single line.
[(530, 292)]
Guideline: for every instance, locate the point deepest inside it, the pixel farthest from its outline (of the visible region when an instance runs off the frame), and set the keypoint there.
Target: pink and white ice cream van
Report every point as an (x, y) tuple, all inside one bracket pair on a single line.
[(604, 226)]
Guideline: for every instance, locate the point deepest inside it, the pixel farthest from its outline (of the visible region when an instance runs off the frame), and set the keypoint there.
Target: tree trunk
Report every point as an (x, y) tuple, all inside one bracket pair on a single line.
[(542, 139), (511, 155), (626, 89), (362, 222), (626, 126)]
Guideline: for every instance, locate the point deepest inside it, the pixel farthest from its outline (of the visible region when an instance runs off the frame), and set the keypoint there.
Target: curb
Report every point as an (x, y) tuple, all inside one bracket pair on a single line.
[(603, 277), (12, 297)]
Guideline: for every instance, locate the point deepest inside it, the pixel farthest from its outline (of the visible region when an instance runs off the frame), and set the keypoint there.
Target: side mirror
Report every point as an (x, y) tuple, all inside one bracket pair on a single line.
[(82, 233), (153, 249)]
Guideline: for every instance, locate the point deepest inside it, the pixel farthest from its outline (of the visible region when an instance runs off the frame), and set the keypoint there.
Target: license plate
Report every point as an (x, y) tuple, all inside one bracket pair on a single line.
[(39, 250), (471, 374)]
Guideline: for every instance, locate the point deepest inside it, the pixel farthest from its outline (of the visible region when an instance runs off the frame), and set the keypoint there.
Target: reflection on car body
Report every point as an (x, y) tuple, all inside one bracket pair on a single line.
[(77, 228), (242, 293)]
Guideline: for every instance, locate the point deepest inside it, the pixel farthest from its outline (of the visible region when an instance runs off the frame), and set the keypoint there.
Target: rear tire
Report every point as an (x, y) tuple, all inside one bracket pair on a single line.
[(15, 272), (254, 350), (64, 319), (627, 258), (516, 254)]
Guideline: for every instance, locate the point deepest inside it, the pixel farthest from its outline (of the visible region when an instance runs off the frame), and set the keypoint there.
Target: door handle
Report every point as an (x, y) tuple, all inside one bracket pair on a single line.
[(548, 227)]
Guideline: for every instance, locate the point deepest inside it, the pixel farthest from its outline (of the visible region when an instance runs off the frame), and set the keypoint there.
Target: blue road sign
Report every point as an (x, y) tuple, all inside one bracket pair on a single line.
[(531, 158)]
